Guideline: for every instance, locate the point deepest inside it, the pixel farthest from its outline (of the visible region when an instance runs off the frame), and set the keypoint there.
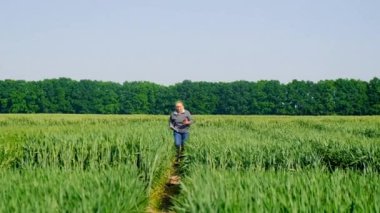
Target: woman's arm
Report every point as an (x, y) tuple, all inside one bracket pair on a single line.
[(189, 119), (171, 125)]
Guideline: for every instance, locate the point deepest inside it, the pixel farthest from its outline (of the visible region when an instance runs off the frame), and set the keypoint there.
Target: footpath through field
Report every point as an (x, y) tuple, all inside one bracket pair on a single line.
[(171, 188)]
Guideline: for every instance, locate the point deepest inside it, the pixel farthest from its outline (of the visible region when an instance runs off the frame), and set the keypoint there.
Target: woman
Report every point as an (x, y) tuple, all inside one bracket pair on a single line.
[(180, 121)]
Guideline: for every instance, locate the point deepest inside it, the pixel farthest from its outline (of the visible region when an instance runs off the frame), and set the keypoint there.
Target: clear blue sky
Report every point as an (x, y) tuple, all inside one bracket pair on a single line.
[(167, 41)]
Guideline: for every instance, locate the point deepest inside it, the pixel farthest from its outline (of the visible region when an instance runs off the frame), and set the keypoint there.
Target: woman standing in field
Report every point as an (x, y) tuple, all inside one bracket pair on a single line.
[(180, 121)]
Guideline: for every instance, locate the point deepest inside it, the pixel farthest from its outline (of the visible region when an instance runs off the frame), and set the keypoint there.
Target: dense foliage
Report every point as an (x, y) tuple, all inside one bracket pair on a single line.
[(63, 95)]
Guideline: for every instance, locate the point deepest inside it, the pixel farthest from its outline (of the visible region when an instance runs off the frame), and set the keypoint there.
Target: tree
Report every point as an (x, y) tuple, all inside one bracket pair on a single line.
[(351, 97), (374, 96), (63, 95)]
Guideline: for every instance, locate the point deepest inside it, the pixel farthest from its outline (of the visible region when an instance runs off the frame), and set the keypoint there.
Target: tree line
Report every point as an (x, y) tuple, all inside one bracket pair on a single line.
[(64, 95)]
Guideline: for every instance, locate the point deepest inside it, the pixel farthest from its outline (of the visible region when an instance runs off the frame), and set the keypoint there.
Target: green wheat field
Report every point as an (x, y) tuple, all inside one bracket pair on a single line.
[(120, 163)]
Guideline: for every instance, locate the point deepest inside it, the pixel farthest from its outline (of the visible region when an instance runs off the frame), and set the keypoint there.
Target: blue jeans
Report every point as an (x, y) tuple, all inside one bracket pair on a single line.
[(180, 138)]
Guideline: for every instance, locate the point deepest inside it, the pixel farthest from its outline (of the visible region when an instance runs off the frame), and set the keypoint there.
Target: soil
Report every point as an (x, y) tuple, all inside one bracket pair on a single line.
[(171, 189)]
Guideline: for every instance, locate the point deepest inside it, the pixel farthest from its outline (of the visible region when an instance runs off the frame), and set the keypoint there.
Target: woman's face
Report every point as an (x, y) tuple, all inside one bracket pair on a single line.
[(179, 107)]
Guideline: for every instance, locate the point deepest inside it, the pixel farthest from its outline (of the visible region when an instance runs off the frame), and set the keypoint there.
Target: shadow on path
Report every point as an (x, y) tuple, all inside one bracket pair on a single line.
[(172, 186)]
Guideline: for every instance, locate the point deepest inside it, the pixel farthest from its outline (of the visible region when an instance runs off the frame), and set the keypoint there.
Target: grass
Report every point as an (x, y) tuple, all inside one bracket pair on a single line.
[(52, 190), (88, 158), (103, 163), (282, 164), (314, 190)]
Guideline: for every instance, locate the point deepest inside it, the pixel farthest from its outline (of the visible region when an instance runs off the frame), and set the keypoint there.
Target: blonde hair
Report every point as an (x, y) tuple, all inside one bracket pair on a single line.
[(179, 102)]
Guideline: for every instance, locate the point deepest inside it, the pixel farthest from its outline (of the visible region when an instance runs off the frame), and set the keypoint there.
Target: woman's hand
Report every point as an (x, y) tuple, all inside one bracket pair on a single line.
[(186, 121)]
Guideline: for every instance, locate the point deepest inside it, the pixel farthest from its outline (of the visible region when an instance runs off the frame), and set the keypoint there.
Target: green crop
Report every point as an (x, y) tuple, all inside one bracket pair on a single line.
[(81, 162), (315, 190), (282, 164), (120, 163)]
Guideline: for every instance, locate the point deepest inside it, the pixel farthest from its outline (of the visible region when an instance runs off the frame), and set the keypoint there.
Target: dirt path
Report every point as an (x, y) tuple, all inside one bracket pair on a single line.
[(171, 188)]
